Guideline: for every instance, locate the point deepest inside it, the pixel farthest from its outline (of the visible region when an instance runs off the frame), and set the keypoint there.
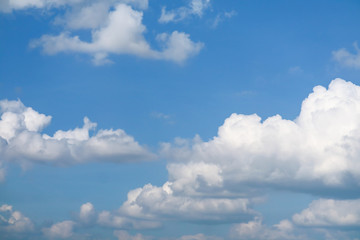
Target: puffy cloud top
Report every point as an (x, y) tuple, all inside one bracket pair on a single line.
[(319, 149)]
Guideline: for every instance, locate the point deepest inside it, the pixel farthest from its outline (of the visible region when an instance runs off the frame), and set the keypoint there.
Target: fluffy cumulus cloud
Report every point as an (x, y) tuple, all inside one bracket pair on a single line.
[(219, 180), (121, 33), (13, 222), (21, 140), (330, 213), (346, 58), (115, 26), (87, 212), (319, 150), (60, 230), (195, 8)]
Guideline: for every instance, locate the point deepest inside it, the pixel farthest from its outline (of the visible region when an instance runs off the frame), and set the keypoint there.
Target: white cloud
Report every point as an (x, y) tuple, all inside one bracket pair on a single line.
[(195, 7), (330, 213), (87, 212), (151, 202), (219, 180), (115, 26), (120, 33), (346, 58), (22, 141), (318, 150), (216, 181), (14, 221), (85, 17), (178, 46), (60, 230), (258, 231)]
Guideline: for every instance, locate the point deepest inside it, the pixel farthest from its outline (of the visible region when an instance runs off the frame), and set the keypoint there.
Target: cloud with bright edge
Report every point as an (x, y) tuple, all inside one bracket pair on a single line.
[(218, 180), (319, 150), (21, 140)]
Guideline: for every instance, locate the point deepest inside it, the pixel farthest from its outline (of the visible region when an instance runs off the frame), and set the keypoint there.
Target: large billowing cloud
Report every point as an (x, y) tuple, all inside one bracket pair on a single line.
[(318, 151), (115, 26), (22, 141), (219, 180)]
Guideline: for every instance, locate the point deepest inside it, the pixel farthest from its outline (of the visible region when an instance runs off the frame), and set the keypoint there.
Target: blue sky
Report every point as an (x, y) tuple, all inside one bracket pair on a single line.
[(181, 120)]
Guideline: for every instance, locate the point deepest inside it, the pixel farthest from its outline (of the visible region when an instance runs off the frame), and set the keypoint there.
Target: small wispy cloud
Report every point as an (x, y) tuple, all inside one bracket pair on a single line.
[(195, 8), (162, 116), (295, 70), (346, 58), (222, 17)]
